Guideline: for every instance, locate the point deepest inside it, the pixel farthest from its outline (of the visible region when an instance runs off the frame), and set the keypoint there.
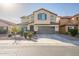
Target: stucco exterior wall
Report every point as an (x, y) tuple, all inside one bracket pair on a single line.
[(27, 18), (35, 27), (53, 18), (75, 19), (64, 21), (57, 19), (57, 28), (36, 21)]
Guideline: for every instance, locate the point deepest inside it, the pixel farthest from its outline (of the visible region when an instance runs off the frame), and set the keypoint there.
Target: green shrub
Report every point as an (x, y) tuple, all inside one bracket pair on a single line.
[(73, 32), (25, 35), (30, 34), (21, 32), (34, 32), (10, 35)]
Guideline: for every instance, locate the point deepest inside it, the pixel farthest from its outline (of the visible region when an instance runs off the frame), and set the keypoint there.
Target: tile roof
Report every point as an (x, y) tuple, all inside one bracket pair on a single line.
[(68, 17), (45, 10)]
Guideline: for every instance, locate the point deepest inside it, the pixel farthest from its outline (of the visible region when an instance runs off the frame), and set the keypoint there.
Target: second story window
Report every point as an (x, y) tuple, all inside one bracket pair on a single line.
[(42, 16), (77, 18)]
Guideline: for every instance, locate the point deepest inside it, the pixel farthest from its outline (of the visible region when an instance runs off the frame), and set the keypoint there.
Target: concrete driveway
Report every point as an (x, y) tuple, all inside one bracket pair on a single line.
[(58, 39)]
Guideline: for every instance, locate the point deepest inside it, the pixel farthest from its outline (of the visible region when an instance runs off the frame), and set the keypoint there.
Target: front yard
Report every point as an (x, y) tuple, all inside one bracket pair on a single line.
[(42, 39), (46, 44)]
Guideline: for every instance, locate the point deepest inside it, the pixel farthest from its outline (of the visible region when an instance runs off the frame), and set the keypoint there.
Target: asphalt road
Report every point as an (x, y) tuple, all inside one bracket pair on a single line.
[(17, 50)]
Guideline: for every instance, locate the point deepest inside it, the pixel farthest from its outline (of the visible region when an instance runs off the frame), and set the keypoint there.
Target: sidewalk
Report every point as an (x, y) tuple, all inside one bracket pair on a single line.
[(41, 42)]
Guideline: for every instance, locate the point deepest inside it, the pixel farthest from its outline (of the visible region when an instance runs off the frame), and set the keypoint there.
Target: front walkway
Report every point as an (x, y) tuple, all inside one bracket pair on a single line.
[(43, 39)]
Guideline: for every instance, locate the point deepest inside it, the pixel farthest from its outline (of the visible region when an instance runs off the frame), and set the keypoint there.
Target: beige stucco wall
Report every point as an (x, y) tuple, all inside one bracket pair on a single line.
[(57, 28), (27, 18), (66, 28), (36, 21), (57, 19), (28, 27), (75, 20), (36, 27), (64, 21), (53, 18)]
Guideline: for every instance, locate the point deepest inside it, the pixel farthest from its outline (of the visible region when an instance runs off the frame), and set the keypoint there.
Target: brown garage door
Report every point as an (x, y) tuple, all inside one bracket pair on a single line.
[(46, 30)]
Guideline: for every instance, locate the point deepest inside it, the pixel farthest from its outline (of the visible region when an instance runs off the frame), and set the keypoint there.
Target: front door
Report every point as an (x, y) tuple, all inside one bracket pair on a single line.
[(31, 28)]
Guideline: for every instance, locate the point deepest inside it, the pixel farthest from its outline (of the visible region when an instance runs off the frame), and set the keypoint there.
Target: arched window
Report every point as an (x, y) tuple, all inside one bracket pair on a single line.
[(42, 16)]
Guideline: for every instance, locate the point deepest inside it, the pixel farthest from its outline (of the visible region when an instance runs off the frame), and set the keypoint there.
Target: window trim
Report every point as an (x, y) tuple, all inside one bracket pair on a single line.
[(40, 16)]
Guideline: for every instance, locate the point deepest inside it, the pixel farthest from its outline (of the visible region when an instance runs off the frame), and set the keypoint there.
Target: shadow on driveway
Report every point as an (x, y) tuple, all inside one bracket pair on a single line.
[(60, 37), (57, 37)]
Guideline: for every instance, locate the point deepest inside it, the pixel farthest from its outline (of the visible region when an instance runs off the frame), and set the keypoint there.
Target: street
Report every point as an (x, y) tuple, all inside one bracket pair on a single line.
[(17, 50)]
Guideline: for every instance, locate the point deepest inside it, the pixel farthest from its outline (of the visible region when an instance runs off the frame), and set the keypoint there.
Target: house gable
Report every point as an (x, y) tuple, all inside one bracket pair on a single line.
[(50, 17)]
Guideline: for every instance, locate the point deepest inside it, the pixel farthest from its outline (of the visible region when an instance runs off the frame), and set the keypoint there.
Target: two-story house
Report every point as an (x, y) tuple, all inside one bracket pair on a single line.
[(44, 21), (41, 21)]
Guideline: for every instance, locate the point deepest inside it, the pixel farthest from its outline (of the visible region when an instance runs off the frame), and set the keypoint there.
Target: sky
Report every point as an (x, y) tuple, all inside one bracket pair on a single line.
[(13, 12)]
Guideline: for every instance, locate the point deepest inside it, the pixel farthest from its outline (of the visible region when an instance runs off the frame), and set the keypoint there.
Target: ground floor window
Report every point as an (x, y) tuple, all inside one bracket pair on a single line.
[(24, 29), (53, 27), (72, 27), (3, 30)]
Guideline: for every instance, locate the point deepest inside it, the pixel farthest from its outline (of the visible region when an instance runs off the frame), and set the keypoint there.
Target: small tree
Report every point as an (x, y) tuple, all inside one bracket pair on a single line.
[(73, 32), (14, 31)]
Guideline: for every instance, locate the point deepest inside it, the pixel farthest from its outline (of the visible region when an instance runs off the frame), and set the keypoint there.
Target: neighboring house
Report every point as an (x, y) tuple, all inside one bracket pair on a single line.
[(5, 26), (69, 22), (41, 21)]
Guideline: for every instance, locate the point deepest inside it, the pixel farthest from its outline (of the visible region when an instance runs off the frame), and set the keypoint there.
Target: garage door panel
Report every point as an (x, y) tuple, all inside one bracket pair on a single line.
[(46, 30)]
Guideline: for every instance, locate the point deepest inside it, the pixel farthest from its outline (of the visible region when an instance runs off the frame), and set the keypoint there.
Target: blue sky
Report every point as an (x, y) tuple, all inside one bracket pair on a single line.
[(14, 12)]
